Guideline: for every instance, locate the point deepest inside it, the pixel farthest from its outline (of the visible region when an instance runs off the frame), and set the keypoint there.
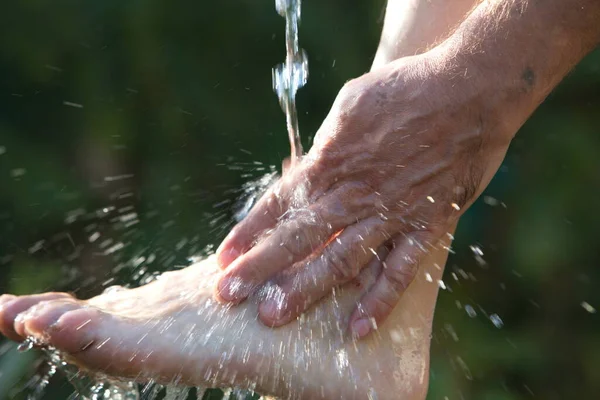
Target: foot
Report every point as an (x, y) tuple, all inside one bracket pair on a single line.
[(172, 331)]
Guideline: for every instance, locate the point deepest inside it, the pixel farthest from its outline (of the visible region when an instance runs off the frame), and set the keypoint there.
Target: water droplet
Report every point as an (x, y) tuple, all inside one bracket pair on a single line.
[(200, 392), (26, 345), (463, 365), (372, 395), (588, 307), (497, 321), (470, 311), (490, 201), (476, 250), (18, 172)]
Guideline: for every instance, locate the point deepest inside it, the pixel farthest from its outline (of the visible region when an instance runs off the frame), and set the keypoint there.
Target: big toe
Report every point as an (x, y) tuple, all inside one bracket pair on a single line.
[(76, 329), (12, 306), (100, 341)]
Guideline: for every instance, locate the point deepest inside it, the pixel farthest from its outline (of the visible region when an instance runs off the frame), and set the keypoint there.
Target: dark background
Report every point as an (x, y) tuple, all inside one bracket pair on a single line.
[(165, 108)]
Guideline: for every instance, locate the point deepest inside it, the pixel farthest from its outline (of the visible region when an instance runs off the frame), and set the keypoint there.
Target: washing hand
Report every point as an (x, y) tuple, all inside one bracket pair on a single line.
[(403, 152)]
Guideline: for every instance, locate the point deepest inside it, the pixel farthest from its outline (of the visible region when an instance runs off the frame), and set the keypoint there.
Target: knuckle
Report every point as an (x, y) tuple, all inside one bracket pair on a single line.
[(293, 290), (347, 91), (467, 185), (251, 272), (272, 208), (400, 278), (296, 243), (354, 96), (272, 204), (303, 237), (383, 306), (352, 88), (327, 159), (297, 302), (342, 267), (246, 272)]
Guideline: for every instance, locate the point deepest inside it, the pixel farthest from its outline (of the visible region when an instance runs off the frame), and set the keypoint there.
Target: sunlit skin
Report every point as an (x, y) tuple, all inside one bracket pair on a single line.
[(459, 103), (173, 331), (122, 333), (404, 151)]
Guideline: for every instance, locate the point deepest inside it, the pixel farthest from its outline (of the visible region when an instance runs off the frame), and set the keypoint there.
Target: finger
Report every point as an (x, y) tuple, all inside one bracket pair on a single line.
[(399, 270), (292, 241), (263, 216), (340, 262)]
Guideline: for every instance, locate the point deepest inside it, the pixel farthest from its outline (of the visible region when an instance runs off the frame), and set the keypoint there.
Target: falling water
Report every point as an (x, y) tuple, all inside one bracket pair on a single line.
[(291, 75)]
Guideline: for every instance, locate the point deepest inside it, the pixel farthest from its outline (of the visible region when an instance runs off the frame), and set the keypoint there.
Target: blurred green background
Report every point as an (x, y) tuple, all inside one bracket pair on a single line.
[(127, 129)]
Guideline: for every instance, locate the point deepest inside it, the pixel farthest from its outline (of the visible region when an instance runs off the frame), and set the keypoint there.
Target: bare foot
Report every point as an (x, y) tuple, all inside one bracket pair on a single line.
[(173, 331)]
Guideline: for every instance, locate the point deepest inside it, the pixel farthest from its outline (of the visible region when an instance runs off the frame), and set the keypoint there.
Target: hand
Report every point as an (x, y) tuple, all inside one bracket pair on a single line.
[(402, 154)]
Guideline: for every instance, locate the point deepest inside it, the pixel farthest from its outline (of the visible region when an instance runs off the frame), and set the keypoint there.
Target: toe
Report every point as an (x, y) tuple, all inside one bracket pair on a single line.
[(11, 308), (40, 318), (76, 330), (117, 346), (98, 341)]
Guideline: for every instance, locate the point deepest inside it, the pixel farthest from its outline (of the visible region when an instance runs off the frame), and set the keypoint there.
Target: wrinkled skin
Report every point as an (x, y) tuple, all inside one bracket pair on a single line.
[(404, 151)]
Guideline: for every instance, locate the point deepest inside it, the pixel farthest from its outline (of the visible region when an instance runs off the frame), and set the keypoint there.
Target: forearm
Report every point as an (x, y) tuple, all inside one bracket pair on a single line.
[(520, 50), (414, 26)]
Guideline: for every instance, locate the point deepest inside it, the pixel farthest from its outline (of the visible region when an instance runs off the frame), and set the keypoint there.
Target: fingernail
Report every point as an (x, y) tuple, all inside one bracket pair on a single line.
[(274, 311), (233, 289), (361, 327), (228, 256)]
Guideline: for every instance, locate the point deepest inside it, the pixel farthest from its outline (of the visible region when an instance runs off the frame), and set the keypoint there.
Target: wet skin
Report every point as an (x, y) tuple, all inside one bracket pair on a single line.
[(406, 148), (172, 330)]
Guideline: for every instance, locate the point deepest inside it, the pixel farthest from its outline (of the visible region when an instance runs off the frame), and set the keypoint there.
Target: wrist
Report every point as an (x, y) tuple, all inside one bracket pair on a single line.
[(505, 91)]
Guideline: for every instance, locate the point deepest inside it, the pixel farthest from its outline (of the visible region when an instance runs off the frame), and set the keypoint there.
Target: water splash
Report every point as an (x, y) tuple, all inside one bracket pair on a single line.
[(176, 393), (110, 390), (26, 345), (91, 387), (87, 387), (291, 75)]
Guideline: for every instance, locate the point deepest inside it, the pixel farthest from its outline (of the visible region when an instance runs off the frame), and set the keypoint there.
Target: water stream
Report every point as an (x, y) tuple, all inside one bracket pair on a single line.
[(291, 75)]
